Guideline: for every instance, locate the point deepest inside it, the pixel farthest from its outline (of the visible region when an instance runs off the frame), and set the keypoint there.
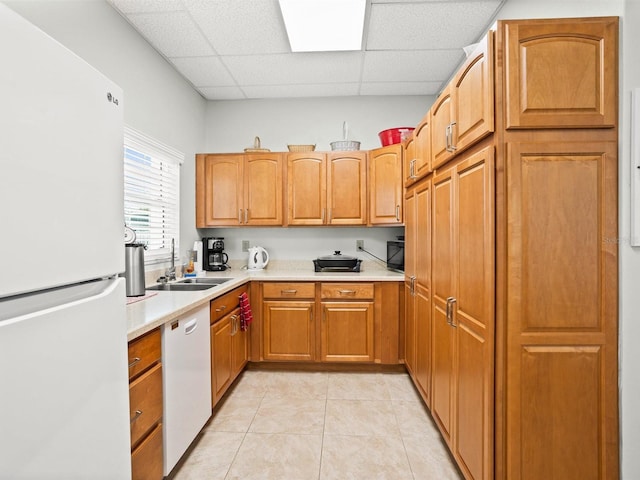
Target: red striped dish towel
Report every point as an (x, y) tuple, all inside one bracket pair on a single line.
[(246, 317)]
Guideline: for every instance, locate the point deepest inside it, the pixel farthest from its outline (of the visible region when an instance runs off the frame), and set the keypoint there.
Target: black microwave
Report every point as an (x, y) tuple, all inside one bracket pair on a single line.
[(395, 255)]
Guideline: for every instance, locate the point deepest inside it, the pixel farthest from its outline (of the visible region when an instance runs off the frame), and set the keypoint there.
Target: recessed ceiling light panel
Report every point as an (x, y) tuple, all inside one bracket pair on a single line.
[(323, 25)]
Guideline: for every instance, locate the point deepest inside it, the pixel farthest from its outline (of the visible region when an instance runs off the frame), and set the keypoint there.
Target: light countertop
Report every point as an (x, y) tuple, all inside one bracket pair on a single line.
[(152, 311)]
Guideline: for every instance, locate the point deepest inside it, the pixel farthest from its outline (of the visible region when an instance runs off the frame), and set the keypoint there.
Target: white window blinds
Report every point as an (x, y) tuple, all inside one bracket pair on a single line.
[(152, 194)]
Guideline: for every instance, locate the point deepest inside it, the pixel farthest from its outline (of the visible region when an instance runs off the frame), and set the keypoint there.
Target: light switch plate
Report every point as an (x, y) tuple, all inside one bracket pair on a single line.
[(245, 245)]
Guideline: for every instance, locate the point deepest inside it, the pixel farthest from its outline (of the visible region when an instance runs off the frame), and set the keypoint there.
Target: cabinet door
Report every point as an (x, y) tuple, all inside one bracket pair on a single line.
[(263, 189), (220, 357), (306, 182), (239, 346), (288, 330), (583, 56), (562, 387), (422, 135), (442, 284), (422, 289), (441, 129), (347, 188), (473, 89), (409, 329), (219, 197), (347, 332), (472, 314), (408, 158), (385, 186)]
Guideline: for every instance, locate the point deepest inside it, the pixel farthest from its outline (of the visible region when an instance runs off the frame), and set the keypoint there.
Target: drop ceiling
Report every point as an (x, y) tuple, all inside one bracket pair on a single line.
[(238, 49)]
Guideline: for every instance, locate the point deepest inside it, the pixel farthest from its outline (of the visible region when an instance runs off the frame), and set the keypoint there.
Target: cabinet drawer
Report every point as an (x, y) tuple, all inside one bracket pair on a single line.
[(346, 291), (144, 352), (146, 460), (289, 290), (221, 306), (145, 402)]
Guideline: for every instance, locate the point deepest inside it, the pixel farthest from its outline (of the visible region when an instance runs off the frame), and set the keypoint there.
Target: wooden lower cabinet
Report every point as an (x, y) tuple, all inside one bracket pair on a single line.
[(145, 406), (288, 330), (347, 332), (144, 459), (357, 322), (229, 343)]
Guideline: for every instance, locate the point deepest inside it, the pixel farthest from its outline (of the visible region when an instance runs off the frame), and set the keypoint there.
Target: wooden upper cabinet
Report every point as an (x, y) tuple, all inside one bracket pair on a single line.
[(581, 91), (441, 115), (473, 89), (219, 196), (347, 188), (235, 189), (464, 112), (422, 135), (327, 188), (307, 188), (385, 185), (409, 159), (263, 189)]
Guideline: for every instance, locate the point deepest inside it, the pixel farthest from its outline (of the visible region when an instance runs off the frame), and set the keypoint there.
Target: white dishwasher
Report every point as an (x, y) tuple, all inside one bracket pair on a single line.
[(186, 375)]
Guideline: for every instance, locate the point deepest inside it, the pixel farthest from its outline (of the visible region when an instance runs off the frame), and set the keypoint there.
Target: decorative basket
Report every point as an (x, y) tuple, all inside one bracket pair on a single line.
[(345, 144), (256, 147), (301, 148)]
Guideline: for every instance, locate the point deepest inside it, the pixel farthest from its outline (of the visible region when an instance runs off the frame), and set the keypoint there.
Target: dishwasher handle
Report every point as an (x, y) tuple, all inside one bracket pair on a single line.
[(190, 326)]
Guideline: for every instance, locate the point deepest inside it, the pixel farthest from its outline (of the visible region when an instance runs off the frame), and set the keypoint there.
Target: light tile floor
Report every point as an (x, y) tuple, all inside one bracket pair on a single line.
[(321, 426)]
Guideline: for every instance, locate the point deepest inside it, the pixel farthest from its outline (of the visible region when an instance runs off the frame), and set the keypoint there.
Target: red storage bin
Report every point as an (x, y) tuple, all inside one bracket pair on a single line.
[(392, 136)]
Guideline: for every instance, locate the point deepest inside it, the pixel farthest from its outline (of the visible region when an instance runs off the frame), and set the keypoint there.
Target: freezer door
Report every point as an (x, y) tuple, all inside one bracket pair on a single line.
[(64, 406), (61, 163)]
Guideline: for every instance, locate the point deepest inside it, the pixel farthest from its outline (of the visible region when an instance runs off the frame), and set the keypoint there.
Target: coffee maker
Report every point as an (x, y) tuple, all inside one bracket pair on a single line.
[(214, 258)]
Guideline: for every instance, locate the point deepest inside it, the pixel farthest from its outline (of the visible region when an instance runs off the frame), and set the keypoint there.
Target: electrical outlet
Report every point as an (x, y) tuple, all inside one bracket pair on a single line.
[(359, 244), (245, 245)]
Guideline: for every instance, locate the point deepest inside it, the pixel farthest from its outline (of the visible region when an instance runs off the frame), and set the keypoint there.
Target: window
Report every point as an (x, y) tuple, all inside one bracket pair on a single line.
[(152, 194)]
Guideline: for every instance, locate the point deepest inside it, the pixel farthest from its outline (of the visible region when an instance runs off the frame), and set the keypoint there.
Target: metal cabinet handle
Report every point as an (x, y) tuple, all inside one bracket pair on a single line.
[(413, 285), (234, 325), (239, 215), (288, 292), (135, 417), (135, 360), (447, 136), (453, 313), (397, 213), (221, 308), (347, 292), (449, 310), (246, 215), (452, 146)]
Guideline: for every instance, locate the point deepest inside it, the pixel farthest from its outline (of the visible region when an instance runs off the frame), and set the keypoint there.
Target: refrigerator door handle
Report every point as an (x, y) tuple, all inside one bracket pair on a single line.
[(22, 307)]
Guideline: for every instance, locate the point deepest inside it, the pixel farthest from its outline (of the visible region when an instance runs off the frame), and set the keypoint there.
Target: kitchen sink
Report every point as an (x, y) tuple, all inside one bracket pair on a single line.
[(204, 280), (189, 284), (180, 287)]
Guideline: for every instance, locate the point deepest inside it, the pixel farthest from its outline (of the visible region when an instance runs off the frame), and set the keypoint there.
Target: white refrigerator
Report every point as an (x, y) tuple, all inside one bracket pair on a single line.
[(64, 405)]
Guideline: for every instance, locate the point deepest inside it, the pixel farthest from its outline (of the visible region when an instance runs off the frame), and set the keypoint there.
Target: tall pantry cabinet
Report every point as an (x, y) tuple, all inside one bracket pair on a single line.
[(523, 266)]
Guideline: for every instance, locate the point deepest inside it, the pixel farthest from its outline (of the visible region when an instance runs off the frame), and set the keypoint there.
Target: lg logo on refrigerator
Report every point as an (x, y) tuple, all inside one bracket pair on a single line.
[(112, 99)]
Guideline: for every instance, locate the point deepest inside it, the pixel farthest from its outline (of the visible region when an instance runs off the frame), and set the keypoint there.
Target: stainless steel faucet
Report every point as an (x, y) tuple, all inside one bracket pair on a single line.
[(170, 274)]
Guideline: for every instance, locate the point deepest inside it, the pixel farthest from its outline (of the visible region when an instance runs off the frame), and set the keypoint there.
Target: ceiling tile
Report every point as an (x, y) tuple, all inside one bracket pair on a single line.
[(417, 66), (307, 90), (400, 88), (146, 6), (241, 27), (222, 93), (417, 26), (204, 71), (172, 33), (281, 69)]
